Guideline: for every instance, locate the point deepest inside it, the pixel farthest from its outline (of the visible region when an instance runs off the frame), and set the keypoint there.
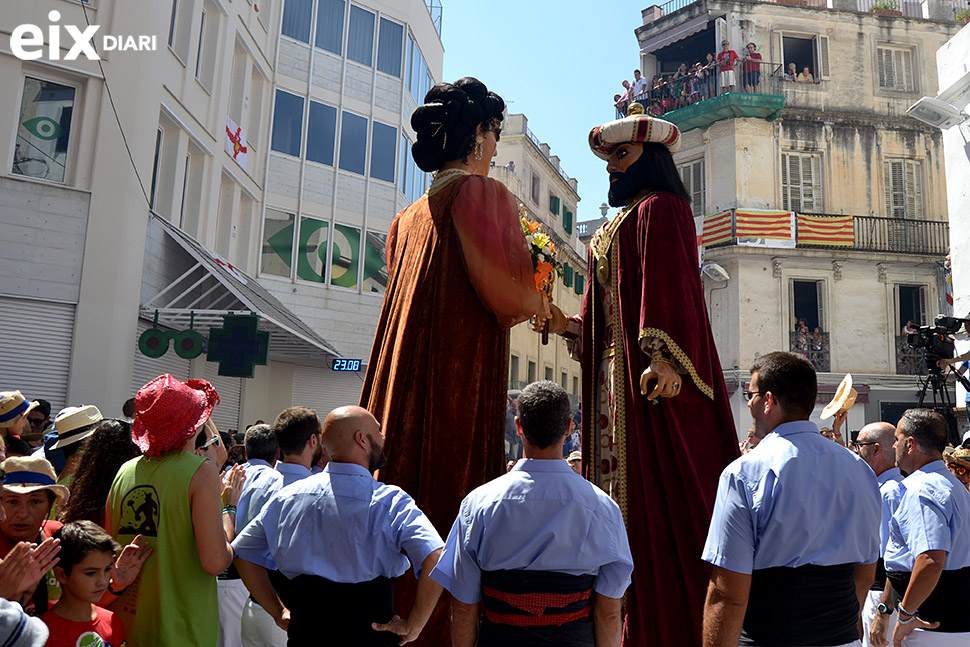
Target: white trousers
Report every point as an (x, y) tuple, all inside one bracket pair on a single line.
[(259, 629), (232, 595), (869, 612), (920, 638)]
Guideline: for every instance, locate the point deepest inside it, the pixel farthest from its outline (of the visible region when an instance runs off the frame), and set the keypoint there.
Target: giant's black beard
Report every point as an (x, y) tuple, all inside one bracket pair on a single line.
[(627, 185)]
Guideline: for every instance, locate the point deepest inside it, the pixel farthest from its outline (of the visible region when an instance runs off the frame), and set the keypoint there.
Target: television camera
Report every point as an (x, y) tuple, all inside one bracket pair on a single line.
[(936, 342)]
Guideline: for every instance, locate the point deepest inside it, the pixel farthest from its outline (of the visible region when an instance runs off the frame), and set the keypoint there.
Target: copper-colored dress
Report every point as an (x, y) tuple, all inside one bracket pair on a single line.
[(460, 275)]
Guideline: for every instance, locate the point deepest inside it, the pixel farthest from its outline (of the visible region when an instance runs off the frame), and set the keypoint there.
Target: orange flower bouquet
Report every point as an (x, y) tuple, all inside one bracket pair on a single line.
[(544, 262)]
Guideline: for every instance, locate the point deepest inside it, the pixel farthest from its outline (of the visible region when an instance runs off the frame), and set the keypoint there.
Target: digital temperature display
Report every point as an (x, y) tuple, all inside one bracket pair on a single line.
[(346, 364)]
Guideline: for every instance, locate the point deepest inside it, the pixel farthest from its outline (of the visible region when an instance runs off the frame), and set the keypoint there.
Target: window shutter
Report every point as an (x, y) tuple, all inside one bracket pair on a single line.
[(809, 175), (554, 204), (697, 188), (785, 201), (818, 300), (882, 66), (567, 275), (922, 305), (914, 190), (795, 182), (580, 284), (888, 179), (822, 47), (567, 220), (907, 59)]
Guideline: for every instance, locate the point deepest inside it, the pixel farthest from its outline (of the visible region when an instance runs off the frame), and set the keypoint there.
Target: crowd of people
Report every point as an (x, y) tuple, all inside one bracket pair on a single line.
[(810, 344), (689, 83)]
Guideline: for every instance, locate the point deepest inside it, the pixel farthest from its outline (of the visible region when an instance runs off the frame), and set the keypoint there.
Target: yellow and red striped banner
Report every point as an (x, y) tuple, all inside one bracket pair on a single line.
[(717, 228), (775, 225), (825, 230)]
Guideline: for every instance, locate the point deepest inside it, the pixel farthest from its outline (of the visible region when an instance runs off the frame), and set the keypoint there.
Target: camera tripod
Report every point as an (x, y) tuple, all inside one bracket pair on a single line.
[(942, 403)]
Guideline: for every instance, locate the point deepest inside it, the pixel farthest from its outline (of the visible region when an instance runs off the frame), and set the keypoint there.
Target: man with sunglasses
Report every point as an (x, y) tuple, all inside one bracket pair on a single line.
[(875, 446), (794, 538)]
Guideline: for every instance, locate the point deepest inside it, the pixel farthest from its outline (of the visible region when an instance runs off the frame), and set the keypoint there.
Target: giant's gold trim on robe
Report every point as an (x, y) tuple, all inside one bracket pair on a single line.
[(681, 357)]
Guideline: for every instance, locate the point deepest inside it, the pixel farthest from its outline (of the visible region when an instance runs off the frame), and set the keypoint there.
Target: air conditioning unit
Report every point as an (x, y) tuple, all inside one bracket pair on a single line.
[(936, 113)]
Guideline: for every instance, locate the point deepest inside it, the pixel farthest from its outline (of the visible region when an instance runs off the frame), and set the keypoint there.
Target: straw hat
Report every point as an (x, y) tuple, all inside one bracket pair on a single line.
[(13, 405), (575, 455), (959, 455), (844, 398), (74, 424), (25, 474), (168, 411), (635, 128)]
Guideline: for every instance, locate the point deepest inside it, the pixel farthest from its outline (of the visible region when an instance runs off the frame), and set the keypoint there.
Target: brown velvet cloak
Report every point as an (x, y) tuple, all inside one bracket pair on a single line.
[(460, 274), (674, 450)]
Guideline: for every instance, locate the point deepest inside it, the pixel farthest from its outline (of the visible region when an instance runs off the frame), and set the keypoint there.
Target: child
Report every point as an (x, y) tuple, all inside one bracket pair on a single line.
[(86, 557)]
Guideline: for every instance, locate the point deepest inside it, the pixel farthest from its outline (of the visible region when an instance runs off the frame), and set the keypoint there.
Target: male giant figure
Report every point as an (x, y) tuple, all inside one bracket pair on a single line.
[(658, 428)]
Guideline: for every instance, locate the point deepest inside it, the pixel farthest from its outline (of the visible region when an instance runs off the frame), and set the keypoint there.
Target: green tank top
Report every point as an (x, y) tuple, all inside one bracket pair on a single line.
[(173, 601)]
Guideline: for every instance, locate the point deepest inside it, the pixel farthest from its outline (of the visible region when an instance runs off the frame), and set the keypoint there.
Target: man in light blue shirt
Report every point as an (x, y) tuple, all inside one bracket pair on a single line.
[(875, 446), (794, 537), (338, 538), (928, 556), (537, 547)]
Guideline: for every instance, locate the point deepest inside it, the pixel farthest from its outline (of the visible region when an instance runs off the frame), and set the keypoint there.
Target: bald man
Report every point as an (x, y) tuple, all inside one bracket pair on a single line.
[(875, 446), (338, 537)]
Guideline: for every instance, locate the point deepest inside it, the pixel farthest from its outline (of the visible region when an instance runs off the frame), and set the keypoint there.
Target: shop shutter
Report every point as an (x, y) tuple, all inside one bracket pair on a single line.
[(35, 357), (323, 389)]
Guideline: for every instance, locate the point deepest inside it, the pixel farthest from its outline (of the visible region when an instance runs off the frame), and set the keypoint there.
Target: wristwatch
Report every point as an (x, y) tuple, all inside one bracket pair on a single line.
[(884, 610)]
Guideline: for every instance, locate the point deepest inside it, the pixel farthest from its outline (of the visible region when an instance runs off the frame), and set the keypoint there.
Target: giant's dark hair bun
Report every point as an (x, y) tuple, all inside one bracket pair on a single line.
[(446, 123)]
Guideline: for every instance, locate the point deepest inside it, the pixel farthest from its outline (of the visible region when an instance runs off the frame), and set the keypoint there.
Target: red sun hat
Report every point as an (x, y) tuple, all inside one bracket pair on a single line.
[(168, 411)]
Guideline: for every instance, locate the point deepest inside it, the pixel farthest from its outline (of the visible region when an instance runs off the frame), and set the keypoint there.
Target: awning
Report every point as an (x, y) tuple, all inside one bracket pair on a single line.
[(183, 281), (673, 34)]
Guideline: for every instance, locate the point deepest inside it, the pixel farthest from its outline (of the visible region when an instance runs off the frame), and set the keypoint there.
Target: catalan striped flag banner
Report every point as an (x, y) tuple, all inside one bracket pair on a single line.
[(825, 230), (717, 228), (772, 225)]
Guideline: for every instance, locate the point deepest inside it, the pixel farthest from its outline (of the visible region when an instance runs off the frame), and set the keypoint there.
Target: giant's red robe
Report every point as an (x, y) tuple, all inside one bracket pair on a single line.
[(668, 455)]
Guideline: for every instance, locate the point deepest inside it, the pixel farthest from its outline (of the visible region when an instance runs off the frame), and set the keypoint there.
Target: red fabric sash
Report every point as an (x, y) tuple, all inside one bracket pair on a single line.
[(536, 604)]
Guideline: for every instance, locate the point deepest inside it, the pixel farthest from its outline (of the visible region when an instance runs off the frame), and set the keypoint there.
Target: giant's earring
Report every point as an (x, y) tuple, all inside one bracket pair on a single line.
[(478, 147)]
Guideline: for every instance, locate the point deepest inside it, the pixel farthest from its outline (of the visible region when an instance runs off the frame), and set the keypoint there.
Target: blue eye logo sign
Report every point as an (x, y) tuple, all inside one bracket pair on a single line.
[(43, 128)]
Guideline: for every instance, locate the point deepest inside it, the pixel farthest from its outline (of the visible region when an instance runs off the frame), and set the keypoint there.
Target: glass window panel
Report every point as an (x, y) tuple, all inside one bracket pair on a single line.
[(296, 19), (375, 264), (382, 151), (312, 262), (330, 25), (360, 40), (353, 143), (415, 73), (276, 253), (402, 177), (44, 130), (409, 56), (389, 47), (320, 133), (346, 251), (288, 123)]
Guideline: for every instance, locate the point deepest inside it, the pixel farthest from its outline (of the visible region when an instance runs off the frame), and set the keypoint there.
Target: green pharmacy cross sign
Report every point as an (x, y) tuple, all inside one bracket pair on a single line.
[(238, 346)]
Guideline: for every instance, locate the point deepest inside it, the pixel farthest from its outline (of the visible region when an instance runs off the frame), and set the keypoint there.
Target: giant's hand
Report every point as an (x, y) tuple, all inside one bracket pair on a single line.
[(557, 321), (668, 380)]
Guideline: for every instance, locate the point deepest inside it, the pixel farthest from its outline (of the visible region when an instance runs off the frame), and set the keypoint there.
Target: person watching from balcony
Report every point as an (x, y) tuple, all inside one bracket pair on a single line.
[(725, 62), (709, 66), (909, 328), (751, 76), (626, 98), (678, 80), (805, 76), (697, 83), (791, 73), (639, 85)]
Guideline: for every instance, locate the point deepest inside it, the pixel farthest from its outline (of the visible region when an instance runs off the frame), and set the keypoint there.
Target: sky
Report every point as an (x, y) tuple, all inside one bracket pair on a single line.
[(558, 63)]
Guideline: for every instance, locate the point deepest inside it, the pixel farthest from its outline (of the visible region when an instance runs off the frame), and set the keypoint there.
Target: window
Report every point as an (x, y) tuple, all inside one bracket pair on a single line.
[(375, 263), (567, 220), (580, 284), (256, 88), (575, 385), (330, 25), (44, 130), (548, 374), (894, 67), (353, 143), (565, 377), (311, 263), (389, 47), (402, 171), (321, 131), (535, 188), (288, 123), (185, 189), (198, 54), (360, 40), (382, 151), (806, 304), (807, 51), (296, 19), (172, 23), (554, 204), (276, 252), (345, 254), (205, 60), (904, 188), (692, 174), (155, 167), (531, 377), (801, 182), (513, 371), (567, 275), (912, 305)]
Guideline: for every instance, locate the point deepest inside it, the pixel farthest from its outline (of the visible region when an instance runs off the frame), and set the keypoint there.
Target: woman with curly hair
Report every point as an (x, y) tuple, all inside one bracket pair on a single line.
[(107, 449)]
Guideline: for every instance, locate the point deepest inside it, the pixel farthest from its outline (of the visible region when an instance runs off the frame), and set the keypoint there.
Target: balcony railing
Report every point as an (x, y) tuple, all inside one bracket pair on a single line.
[(814, 346), (828, 231), (673, 5), (701, 83), (908, 8), (909, 360)]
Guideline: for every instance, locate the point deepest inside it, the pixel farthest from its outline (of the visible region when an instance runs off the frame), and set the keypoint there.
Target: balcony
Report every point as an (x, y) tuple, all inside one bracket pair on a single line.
[(920, 9), (697, 100), (909, 361), (812, 346), (775, 229)]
